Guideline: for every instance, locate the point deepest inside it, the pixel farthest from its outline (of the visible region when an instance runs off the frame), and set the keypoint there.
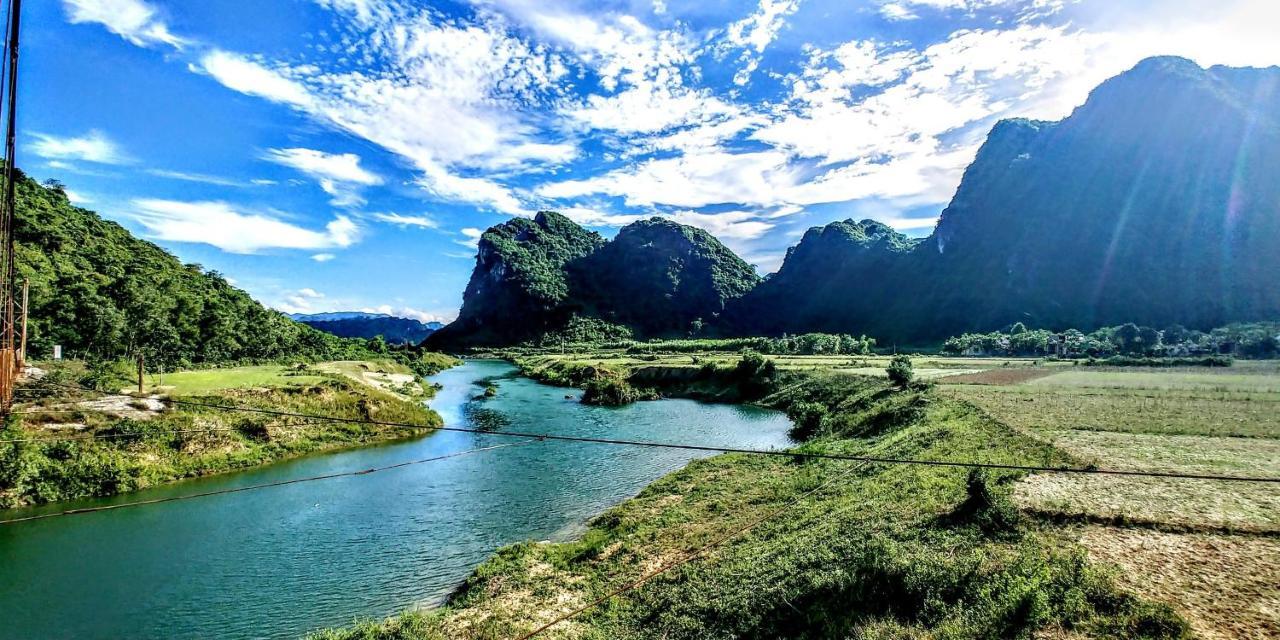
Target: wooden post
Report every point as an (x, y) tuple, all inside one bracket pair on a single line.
[(22, 348), (141, 368)]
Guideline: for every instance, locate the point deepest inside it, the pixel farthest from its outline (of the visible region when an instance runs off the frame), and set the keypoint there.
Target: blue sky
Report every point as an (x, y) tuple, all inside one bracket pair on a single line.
[(345, 154)]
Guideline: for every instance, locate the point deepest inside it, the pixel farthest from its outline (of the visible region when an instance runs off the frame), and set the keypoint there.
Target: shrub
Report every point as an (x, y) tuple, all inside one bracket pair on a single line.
[(807, 419), (610, 392), (900, 371)]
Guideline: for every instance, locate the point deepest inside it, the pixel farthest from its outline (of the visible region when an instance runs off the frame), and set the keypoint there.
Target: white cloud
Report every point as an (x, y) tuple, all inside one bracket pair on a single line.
[(593, 217), (422, 221), (252, 77), (755, 32), (729, 225), (94, 146), (309, 293), (406, 312), (195, 177), (133, 20), (471, 236), (77, 198), (323, 257), (338, 174), (233, 230)]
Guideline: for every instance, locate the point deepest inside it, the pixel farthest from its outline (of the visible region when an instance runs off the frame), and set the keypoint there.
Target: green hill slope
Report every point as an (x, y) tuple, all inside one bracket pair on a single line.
[(102, 293)]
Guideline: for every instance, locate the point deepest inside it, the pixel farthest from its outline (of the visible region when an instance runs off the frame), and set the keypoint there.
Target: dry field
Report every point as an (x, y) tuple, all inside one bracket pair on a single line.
[(1211, 549)]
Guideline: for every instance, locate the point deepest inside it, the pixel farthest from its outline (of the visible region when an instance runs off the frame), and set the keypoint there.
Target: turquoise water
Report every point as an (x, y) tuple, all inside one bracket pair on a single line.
[(282, 561)]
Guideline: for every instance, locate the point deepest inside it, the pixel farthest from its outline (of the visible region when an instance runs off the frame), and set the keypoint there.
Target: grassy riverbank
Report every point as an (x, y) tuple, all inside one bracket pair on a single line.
[(895, 551), (79, 444)]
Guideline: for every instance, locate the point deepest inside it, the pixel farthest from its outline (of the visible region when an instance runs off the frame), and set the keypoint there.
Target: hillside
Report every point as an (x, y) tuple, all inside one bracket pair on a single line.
[(534, 277), (350, 324), (102, 293), (1155, 202)]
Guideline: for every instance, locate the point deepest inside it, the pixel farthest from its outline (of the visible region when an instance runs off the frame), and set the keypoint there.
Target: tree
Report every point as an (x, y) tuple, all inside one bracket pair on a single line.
[(900, 370)]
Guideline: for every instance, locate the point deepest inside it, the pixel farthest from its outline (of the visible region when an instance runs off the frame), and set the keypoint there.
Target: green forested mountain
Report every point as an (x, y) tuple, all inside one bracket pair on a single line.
[(102, 293), (1156, 202), (660, 278), (534, 277), (520, 283)]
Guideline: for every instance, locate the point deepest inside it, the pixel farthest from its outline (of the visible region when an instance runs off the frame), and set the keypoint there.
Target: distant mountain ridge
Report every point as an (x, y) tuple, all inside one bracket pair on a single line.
[(359, 324), (1156, 202)]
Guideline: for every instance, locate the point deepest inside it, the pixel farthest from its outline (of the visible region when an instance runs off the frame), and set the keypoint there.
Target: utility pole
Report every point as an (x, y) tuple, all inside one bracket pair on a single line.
[(9, 82), (22, 348)]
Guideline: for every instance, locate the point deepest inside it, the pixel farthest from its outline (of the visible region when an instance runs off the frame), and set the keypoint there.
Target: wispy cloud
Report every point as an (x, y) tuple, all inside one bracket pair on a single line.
[(94, 146), (195, 177), (401, 220), (338, 174), (234, 229), (133, 20)]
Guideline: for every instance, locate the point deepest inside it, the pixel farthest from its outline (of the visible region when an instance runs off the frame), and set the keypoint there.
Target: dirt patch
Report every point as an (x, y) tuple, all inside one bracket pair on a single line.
[(1226, 586), (999, 377), (124, 406)]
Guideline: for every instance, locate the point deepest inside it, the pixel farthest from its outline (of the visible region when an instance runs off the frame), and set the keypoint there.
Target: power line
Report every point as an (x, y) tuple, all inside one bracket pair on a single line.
[(690, 557), (362, 472), (794, 455)]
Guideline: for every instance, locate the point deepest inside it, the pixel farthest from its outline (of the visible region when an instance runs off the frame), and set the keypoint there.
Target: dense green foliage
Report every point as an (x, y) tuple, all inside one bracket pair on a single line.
[(660, 278), (392, 329), (103, 294), (549, 280), (900, 371), (809, 344), (1253, 340), (612, 392), (519, 285)]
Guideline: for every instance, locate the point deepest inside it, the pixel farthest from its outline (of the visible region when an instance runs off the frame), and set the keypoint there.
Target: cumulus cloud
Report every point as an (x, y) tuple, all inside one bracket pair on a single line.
[(323, 257), (133, 20), (234, 229), (93, 146)]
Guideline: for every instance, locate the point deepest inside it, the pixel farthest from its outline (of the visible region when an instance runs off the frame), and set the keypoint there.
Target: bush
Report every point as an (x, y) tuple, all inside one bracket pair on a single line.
[(807, 419), (900, 371), (610, 392)]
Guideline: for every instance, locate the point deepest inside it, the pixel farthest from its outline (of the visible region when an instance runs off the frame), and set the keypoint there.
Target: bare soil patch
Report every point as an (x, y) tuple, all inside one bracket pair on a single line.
[(999, 377), (1226, 586)]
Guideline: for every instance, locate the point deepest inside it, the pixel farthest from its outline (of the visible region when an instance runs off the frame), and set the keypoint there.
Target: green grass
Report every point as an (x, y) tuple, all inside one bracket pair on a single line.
[(205, 381), (885, 551), (185, 441)]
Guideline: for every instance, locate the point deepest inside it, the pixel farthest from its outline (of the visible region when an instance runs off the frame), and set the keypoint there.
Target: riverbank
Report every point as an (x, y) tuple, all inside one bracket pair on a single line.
[(66, 444), (881, 551)]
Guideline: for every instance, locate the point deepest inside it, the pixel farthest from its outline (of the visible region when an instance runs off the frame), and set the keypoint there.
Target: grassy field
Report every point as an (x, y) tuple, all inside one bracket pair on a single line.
[(903, 552), (206, 381), (121, 443)]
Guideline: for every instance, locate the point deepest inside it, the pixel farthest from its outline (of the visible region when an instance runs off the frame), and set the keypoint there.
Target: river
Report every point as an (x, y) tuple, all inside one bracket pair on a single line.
[(282, 561)]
